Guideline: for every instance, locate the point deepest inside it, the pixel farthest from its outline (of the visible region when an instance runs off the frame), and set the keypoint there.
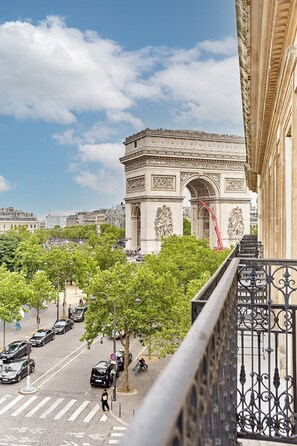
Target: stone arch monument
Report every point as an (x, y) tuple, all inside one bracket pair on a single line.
[(161, 164)]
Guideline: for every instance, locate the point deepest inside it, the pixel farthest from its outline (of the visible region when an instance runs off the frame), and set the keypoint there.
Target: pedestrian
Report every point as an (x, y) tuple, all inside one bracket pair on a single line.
[(104, 400), (70, 311)]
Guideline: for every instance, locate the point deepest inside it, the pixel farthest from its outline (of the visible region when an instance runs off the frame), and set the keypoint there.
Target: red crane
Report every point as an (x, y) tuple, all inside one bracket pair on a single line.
[(216, 226)]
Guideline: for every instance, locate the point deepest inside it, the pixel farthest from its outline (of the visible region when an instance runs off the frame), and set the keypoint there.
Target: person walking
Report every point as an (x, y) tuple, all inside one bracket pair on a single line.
[(104, 400), (70, 311)]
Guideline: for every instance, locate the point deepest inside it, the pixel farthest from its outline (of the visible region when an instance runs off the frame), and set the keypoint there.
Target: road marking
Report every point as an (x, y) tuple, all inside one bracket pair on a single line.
[(116, 434), (4, 398), (24, 406), (39, 405), (92, 413), (64, 410), (103, 418), (51, 408), (119, 428), (12, 403), (78, 411), (83, 348)]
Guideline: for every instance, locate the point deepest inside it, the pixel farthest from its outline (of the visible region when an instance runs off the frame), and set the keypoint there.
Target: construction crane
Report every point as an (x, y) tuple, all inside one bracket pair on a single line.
[(215, 222)]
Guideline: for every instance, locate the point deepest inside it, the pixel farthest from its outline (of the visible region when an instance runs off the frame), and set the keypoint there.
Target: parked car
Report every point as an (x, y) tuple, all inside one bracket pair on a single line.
[(41, 337), (16, 370), (13, 351), (102, 374), (63, 325), (78, 314), (121, 359)]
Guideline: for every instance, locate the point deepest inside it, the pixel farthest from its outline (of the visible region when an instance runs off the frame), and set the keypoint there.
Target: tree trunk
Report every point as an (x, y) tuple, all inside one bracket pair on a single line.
[(38, 318), (126, 363), (4, 340)]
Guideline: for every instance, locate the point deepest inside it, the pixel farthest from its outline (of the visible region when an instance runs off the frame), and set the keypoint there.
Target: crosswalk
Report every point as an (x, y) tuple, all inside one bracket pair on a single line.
[(116, 434), (53, 408)]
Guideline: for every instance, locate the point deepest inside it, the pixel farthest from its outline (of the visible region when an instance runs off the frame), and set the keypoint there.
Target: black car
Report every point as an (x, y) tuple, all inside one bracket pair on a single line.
[(13, 351), (102, 373), (121, 359), (17, 370), (78, 314), (63, 325), (41, 337)]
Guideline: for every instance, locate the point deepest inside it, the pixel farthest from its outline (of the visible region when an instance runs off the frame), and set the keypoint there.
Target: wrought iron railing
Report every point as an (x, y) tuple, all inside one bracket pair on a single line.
[(267, 297)]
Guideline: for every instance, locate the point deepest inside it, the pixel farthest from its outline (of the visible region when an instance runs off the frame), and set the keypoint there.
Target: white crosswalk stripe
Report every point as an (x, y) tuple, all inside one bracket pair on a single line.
[(117, 434), (24, 406), (65, 409), (12, 403), (78, 411), (38, 406), (51, 408), (92, 413), (54, 408)]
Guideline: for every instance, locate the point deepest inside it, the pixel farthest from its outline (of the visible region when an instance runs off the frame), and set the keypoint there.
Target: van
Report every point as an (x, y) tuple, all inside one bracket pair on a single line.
[(78, 314)]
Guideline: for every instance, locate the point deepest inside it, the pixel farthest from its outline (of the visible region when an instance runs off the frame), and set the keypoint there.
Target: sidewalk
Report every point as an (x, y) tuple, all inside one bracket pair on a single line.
[(127, 404)]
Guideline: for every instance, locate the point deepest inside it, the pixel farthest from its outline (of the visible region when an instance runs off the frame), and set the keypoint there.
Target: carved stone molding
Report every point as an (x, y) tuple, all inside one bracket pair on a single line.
[(235, 223), (216, 177), (136, 184), (235, 185), (163, 182), (163, 222)]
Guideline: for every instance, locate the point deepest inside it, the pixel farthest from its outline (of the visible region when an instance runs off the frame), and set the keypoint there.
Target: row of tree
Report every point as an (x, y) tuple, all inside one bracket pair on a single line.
[(150, 300)]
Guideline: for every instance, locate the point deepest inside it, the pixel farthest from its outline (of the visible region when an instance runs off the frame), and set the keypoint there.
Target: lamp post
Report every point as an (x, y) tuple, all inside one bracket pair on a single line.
[(114, 380)]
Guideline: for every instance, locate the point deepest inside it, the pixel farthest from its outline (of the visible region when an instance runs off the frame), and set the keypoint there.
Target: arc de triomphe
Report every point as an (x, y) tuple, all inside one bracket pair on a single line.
[(161, 164)]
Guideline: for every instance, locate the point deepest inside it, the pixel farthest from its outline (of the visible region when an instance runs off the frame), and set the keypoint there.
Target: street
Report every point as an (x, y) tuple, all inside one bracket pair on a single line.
[(65, 410)]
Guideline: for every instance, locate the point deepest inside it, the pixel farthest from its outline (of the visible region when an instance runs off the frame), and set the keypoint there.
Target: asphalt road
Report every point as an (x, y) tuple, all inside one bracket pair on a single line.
[(65, 410)]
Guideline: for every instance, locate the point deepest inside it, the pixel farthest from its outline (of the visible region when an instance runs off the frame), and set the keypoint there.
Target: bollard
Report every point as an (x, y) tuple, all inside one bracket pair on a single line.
[(110, 402), (133, 413), (120, 409)]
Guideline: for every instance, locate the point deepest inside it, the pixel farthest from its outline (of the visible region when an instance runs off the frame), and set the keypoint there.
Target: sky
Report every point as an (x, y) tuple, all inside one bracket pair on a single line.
[(77, 77)]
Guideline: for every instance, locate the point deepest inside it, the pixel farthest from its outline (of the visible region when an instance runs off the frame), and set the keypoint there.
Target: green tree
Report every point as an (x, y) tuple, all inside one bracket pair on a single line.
[(9, 242), (59, 267), (29, 256), (41, 292), (141, 299), (186, 227), (14, 293)]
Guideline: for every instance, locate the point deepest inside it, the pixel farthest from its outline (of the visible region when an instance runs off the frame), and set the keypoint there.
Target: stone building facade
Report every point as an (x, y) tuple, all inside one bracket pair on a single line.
[(11, 218), (267, 39), (161, 164)]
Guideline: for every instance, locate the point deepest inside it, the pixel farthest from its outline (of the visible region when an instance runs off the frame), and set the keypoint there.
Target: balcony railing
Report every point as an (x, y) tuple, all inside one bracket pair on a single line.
[(234, 375)]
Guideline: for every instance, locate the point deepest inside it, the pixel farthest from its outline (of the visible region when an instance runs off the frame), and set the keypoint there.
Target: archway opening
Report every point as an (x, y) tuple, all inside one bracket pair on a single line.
[(201, 225)]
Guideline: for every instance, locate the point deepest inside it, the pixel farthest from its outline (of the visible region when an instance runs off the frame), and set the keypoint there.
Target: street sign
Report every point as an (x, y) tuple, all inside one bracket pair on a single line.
[(113, 356)]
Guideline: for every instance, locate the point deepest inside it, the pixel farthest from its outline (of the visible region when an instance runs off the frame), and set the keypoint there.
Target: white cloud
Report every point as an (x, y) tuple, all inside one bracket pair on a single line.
[(50, 72), (107, 154), (226, 46), (101, 181), (4, 185), (205, 90), (119, 116)]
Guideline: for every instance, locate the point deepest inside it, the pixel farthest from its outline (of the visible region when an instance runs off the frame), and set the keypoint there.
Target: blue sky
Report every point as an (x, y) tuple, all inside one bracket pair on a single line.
[(79, 76)]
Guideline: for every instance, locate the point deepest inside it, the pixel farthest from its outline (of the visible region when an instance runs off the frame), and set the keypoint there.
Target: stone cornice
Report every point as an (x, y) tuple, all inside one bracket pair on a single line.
[(169, 155), (265, 29), (195, 134)]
